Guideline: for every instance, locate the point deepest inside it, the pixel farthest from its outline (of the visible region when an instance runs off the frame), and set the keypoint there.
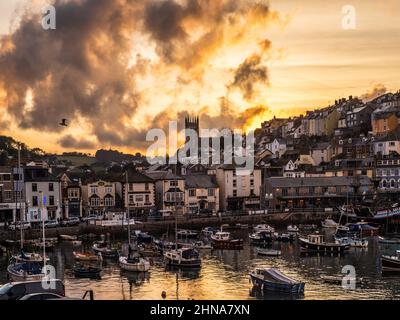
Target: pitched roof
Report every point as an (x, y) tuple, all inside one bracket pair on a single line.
[(135, 176), (163, 175), (199, 181)]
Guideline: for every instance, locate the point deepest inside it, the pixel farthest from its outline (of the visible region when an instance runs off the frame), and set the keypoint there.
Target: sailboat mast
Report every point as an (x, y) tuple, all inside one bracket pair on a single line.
[(18, 196), (176, 213), (43, 229), (127, 210)]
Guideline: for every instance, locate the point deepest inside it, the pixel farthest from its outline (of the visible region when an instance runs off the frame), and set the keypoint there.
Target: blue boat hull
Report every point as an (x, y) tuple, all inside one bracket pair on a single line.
[(265, 285)]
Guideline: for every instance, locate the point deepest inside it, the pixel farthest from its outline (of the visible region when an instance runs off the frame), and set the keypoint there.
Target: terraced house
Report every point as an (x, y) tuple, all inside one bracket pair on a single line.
[(101, 196), (201, 194), (139, 193), (12, 200)]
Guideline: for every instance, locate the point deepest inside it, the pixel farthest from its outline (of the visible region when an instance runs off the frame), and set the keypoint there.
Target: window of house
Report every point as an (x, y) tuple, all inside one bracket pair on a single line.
[(252, 192), (146, 187), (108, 201), (139, 198), (7, 177), (35, 201), (234, 183), (130, 187), (192, 192), (51, 187), (8, 195), (34, 187), (173, 183), (131, 199), (95, 202), (252, 182), (93, 189), (211, 192), (17, 177), (51, 200), (147, 198), (235, 193), (392, 143), (109, 189)]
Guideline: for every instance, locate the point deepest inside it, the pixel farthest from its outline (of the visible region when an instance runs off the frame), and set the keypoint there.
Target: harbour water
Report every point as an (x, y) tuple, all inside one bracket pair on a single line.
[(224, 275)]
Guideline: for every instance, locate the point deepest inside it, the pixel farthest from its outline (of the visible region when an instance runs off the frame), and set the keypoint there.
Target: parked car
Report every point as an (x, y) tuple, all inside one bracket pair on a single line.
[(51, 224), (73, 221), (42, 296), (17, 290), (19, 226), (90, 217)]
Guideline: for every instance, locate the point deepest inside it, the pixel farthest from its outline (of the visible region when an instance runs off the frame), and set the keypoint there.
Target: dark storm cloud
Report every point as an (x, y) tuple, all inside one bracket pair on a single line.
[(248, 74)]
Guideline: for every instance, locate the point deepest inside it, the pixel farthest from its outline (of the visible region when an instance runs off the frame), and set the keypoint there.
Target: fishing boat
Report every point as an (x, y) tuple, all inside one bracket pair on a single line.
[(134, 263), (353, 242), (223, 240), (187, 234), (268, 252), (25, 271), (315, 243), (90, 272), (275, 281), (263, 227), (261, 238), (83, 256), (389, 241), (66, 237), (391, 263), (329, 223), (105, 250), (293, 228), (183, 257)]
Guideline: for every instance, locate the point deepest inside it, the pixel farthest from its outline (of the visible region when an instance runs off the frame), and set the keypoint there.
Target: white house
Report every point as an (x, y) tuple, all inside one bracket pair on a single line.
[(387, 145), (277, 147), (43, 194)]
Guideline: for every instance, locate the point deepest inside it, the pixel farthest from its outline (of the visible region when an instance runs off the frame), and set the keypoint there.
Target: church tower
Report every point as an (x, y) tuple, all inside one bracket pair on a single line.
[(192, 123)]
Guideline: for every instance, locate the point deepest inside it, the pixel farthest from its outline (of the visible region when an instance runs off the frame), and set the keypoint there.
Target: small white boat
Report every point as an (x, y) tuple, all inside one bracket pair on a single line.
[(268, 252), (28, 257), (87, 256), (329, 223), (187, 234), (355, 243), (134, 264), (264, 227), (67, 237), (25, 271), (293, 228)]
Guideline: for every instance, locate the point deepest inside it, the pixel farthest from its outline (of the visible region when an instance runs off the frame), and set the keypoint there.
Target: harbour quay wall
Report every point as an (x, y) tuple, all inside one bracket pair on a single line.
[(275, 219)]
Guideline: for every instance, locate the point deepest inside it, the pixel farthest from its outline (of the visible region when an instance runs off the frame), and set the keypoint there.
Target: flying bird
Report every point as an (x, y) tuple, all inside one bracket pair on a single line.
[(63, 123)]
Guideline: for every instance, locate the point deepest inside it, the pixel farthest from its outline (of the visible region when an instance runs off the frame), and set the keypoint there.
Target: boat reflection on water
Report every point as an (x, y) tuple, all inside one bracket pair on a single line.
[(136, 278), (257, 293), (184, 273)]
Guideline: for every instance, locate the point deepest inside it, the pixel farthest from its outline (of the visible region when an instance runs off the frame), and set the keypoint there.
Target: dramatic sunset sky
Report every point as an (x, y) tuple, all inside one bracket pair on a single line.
[(117, 68)]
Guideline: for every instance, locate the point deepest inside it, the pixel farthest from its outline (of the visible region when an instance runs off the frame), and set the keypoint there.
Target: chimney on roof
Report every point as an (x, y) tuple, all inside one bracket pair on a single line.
[(350, 97)]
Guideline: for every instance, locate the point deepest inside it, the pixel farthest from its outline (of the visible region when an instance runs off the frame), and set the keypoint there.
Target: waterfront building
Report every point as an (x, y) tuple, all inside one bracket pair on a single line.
[(238, 192), (12, 200), (139, 193), (101, 196), (315, 192), (43, 194), (169, 191), (201, 194)]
